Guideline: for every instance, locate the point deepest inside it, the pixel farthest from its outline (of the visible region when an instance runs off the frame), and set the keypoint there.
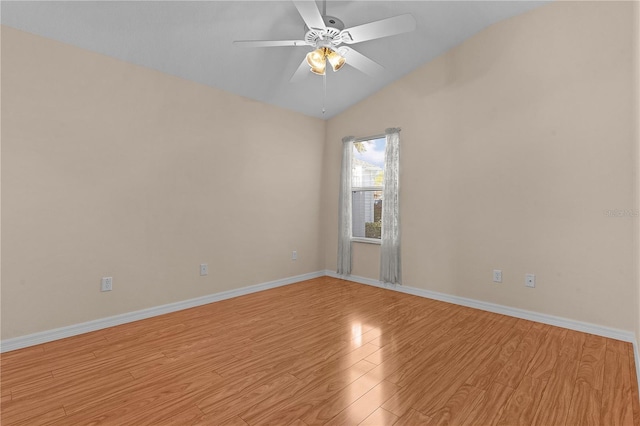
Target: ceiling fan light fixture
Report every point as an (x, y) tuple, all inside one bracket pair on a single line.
[(318, 58)]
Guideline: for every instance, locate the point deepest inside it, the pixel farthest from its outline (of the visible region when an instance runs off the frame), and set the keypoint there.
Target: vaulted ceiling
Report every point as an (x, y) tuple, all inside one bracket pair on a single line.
[(194, 40)]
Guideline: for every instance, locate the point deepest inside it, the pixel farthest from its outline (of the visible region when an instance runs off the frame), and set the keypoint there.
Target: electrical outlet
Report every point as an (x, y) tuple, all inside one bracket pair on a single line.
[(497, 275), (530, 280), (106, 284), (204, 269), (294, 255)]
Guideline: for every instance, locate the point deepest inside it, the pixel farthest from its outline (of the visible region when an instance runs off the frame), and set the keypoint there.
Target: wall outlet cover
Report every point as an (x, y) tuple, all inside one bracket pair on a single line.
[(106, 284), (530, 280)]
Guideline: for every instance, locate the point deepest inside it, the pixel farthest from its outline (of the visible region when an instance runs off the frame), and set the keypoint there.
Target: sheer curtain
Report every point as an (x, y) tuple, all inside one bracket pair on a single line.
[(390, 264), (344, 225)]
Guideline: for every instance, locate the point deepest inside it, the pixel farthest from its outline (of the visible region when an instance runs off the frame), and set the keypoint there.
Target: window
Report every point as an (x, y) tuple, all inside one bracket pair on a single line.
[(367, 177), (368, 205)]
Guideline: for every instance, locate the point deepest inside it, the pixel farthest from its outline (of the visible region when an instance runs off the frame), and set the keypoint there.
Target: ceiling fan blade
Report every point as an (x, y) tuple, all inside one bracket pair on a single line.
[(301, 72), (269, 43), (361, 62), (378, 29), (310, 13)]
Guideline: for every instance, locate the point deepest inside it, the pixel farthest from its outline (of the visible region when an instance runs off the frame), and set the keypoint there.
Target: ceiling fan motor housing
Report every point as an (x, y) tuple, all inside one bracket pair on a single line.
[(326, 37)]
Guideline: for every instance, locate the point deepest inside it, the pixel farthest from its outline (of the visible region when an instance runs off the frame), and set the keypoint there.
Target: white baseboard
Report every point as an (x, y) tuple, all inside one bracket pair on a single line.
[(73, 330)]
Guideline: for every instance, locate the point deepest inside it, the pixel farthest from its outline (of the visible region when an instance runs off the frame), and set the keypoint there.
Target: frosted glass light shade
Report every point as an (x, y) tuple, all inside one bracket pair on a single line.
[(316, 61)]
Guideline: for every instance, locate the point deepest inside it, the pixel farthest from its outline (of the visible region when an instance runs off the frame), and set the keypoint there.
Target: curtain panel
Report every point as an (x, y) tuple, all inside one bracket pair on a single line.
[(390, 261), (344, 222)]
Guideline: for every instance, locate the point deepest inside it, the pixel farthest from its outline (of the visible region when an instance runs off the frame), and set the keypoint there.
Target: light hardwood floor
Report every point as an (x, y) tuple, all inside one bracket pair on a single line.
[(324, 351)]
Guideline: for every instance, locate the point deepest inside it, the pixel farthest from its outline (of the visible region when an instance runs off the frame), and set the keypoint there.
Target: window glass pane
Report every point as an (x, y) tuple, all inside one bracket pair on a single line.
[(367, 214), (367, 168)]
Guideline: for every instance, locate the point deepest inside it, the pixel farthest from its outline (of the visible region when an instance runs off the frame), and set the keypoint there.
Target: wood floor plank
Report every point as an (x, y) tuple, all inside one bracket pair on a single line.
[(234, 421), (431, 359), (489, 407), (223, 409), (312, 360), (272, 402), (42, 418), (346, 396), (513, 371), (144, 404), (256, 362), (154, 338), (554, 405), (445, 383), (413, 418), (425, 377), (20, 356), (484, 376), (189, 416), (42, 364), (585, 405), (23, 383), (458, 407), (323, 351), (31, 414), (591, 370), (380, 417), (543, 361), (635, 397), (521, 407), (616, 390), (75, 390), (330, 377), (312, 396), (96, 366), (573, 345), (351, 409)]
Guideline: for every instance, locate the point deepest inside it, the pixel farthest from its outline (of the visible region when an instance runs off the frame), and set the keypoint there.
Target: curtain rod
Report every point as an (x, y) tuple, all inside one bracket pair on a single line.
[(368, 138)]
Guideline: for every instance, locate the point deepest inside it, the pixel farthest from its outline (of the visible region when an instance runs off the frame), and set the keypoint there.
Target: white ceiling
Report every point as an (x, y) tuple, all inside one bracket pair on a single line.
[(193, 40)]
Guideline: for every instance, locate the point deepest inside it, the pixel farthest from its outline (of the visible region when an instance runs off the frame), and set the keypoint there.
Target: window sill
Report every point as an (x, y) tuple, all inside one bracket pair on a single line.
[(366, 240)]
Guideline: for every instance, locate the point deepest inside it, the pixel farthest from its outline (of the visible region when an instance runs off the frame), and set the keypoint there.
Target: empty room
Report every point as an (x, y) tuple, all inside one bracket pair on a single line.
[(304, 212)]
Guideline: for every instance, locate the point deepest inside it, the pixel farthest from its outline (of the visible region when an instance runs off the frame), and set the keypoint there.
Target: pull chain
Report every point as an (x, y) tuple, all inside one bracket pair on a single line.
[(324, 91)]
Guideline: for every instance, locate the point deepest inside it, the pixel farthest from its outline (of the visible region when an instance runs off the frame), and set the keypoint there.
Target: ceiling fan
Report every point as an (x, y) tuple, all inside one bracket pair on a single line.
[(328, 37)]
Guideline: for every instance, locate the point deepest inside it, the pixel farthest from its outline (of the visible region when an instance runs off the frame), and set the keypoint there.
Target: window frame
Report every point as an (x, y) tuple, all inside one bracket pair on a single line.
[(375, 241)]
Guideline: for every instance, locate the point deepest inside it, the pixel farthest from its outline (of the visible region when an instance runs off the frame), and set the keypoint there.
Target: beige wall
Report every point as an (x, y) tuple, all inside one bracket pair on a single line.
[(514, 144), (110, 169)]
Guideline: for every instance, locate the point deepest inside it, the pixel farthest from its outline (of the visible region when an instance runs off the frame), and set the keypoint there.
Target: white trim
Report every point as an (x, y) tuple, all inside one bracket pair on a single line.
[(86, 327), (367, 188), (612, 333), (370, 138), (637, 361), (365, 240)]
